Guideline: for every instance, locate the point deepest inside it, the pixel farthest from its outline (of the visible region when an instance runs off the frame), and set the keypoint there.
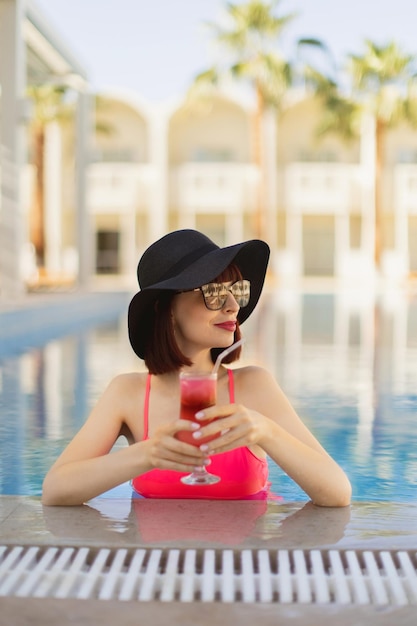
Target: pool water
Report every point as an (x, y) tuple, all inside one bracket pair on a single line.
[(347, 361)]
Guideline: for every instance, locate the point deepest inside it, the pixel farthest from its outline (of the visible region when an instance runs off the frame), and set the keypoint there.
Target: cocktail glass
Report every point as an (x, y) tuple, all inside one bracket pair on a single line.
[(197, 391)]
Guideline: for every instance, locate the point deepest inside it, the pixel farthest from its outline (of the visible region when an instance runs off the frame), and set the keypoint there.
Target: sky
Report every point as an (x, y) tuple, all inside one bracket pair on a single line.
[(156, 47)]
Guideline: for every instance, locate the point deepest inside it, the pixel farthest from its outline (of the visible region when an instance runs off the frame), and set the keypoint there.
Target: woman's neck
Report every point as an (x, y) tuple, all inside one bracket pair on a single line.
[(201, 364)]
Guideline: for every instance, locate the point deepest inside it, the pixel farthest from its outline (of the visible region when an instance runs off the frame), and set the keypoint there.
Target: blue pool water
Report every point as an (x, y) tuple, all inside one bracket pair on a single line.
[(347, 361)]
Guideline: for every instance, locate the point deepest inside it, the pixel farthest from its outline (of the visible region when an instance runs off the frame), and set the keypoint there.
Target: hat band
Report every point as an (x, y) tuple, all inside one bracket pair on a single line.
[(187, 260)]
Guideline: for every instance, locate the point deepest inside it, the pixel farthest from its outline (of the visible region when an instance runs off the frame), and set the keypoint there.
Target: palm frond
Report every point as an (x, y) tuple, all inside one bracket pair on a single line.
[(250, 37), (341, 116), (50, 104)]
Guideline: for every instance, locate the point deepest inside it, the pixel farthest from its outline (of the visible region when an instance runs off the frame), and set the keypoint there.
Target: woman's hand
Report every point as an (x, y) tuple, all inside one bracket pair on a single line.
[(236, 426), (166, 451)]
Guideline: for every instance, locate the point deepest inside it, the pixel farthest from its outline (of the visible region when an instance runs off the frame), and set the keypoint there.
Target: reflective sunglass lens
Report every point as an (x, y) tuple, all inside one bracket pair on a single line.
[(212, 295), (215, 294), (241, 292)]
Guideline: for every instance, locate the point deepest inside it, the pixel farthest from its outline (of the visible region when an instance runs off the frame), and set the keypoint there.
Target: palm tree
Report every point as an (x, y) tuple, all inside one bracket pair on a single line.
[(49, 105), (250, 38), (341, 114), (381, 80)]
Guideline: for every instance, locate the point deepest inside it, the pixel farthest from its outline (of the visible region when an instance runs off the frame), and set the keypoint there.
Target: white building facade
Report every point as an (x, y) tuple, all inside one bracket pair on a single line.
[(191, 166)]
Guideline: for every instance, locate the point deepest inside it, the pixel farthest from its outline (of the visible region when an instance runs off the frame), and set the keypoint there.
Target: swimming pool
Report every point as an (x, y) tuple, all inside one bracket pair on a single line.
[(347, 360)]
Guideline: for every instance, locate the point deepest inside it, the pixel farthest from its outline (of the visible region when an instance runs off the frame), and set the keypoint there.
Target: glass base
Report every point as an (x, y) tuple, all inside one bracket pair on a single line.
[(200, 478)]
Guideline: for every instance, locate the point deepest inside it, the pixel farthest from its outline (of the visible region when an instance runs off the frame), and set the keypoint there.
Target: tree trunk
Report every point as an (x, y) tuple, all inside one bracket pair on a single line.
[(258, 154), (37, 230)]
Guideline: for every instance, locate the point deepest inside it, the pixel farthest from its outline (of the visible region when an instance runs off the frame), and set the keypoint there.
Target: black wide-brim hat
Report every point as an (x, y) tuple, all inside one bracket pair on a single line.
[(186, 259)]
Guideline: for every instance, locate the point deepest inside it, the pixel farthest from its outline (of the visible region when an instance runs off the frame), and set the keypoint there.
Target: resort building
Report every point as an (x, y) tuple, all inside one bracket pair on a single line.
[(33, 55), (189, 163)]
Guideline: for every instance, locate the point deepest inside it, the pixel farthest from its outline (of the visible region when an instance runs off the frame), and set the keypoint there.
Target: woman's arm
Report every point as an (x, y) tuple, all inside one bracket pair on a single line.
[(266, 418), (86, 468)]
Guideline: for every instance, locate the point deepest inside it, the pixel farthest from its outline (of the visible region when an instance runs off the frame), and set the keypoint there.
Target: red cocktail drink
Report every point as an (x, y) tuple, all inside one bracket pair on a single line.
[(197, 391)]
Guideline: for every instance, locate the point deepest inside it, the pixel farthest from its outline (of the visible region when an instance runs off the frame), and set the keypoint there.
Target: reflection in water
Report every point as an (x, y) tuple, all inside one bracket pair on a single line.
[(348, 363), (346, 360), (198, 522)]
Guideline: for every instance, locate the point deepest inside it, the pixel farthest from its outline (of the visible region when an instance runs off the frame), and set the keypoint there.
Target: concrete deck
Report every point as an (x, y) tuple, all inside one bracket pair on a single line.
[(18, 612), (180, 523)]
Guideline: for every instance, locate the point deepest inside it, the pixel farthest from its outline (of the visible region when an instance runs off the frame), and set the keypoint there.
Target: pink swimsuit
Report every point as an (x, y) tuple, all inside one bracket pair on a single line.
[(243, 475)]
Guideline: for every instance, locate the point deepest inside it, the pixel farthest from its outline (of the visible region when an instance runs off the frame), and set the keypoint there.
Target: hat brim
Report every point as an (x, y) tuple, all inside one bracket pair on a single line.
[(250, 256)]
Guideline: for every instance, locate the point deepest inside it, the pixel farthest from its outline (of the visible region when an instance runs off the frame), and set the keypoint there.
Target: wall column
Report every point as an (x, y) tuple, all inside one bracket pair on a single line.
[(53, 200), (84, 232), (158, 153), (368, 169), (270, 164), (12, 146)]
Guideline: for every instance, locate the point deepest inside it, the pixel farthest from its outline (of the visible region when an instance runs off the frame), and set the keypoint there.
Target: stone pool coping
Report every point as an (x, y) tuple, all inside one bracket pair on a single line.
[(124, 522)]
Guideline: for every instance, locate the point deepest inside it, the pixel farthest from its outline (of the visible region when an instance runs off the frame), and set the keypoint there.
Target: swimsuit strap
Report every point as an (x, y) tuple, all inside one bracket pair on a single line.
[(146, 407), (148, 392)]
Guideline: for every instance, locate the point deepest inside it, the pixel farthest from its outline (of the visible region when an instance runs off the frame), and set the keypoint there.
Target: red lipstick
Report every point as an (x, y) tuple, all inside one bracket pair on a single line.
[(230, 326)]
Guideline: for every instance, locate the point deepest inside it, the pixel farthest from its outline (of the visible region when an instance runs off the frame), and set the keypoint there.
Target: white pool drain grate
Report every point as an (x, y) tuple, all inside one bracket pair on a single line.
[(186, 575)]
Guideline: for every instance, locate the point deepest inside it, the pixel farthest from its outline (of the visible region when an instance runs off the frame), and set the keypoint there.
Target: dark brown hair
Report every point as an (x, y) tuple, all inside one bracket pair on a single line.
[(162, 354)]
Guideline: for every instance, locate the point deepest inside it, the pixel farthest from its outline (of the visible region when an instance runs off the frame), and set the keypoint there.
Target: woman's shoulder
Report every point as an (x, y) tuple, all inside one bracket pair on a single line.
[(128, 381), (124, 395), (256, 387), (253, 374)]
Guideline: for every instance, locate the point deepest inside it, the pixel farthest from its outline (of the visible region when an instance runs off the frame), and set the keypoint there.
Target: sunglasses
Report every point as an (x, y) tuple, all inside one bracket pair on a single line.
[(215, 294)]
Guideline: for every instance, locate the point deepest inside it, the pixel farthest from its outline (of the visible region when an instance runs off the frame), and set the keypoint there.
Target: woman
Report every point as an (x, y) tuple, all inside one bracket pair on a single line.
[(193, 297)]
